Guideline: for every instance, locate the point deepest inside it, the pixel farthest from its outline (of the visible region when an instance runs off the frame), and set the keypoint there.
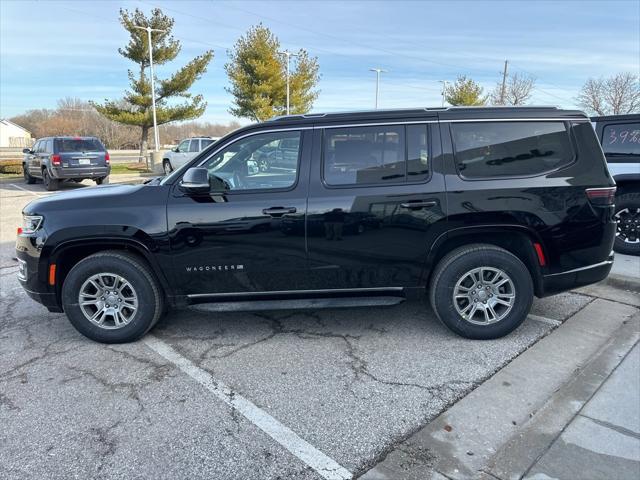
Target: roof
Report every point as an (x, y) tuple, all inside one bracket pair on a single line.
[(9, 122), (442, 113), (607, 118)]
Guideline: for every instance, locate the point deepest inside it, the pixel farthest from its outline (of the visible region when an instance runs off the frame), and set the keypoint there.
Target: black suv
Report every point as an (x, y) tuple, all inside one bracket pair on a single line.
[(480, 208), (620, 138), (55, 159)]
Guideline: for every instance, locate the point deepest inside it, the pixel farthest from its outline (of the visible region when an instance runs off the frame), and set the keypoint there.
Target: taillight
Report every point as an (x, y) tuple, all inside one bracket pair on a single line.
[(106, 158), (55, 159), (601, 196)]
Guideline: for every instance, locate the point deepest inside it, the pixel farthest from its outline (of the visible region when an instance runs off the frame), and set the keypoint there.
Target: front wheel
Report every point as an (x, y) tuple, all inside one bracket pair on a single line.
[(28, 179), (112, 297), (481, 291), (628, 229)]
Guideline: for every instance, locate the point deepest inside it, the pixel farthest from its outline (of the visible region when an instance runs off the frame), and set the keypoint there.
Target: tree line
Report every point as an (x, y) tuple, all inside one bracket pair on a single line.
[(256, 69)]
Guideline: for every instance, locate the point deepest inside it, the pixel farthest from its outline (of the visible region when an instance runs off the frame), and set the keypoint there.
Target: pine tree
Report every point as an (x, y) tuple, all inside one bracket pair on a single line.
[(136, 106), (465, 92), (258, 77)]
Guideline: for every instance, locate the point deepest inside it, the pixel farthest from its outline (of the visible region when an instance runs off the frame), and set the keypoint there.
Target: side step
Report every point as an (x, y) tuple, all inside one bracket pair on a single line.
[(298, 304)]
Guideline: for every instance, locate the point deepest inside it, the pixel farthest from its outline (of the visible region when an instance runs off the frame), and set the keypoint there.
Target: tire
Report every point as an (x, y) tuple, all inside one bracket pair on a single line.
[(28, 179), (102, 180), (142, 285), (166, 166), (457, 266), (51, 184), (627, 213)]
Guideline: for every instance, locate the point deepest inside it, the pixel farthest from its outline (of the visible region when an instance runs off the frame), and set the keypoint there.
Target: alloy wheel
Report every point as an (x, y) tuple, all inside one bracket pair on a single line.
[(484, 295), (628, 228), (108, 300)]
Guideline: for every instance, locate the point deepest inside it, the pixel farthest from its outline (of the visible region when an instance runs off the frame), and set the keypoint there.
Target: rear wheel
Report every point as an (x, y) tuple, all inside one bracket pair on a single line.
[(50, 184), (166, 166), (28, 179), (628, 230), (481, 291), (112, 297), (102, 180)]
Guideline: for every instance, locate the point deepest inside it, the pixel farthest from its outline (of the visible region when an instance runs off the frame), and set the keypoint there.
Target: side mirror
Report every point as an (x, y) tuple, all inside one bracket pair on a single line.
[(26, 150), (177, 150), (195, 180)]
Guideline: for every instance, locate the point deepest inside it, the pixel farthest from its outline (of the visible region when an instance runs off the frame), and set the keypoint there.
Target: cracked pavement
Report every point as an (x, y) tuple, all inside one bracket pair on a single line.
[(351, 382)]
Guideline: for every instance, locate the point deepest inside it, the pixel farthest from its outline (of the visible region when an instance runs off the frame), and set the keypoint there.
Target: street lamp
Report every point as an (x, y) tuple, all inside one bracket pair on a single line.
[(444, 89), (378, 72), (156, 137), (288, 54)]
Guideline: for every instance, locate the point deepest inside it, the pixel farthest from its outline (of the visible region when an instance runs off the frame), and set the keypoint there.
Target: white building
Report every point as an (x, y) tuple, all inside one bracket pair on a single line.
[(12, 135)]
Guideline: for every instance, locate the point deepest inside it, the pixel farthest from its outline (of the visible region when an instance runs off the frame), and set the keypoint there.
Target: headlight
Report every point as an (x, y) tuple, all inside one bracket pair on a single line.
[(30, 224)]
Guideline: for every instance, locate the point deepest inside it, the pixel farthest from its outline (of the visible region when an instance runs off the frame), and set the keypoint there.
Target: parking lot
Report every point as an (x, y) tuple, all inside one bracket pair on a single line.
[(208, 394)]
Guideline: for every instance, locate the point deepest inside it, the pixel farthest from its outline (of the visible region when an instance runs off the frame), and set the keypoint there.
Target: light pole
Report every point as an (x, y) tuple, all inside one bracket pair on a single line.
[(444, 89), (156, 137), (288, 54), (378, 72)]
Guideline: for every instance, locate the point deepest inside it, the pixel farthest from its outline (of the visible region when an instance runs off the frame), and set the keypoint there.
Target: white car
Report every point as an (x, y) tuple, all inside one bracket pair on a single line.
[(185, 151)]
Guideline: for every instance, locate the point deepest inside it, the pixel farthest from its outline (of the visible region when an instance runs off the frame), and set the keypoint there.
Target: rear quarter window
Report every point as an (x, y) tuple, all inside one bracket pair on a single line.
[(510, 149), (78, 145), (621, 139)]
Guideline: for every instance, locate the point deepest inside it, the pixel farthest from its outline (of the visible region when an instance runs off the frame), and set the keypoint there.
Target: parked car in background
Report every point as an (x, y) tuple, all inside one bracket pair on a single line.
[(55, 159), (620, 139), (186, 150), (481, 209), (278, 154)]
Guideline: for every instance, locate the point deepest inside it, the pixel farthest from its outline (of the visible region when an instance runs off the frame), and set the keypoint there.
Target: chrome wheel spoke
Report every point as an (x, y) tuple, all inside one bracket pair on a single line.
[(108, 300), (492, 292)]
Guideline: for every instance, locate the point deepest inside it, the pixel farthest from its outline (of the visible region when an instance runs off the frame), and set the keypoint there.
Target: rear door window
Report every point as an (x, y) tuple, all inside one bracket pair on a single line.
[(195, 146), (510, 149), (78, 145), (205, 143), (364, 155), (621, 139)]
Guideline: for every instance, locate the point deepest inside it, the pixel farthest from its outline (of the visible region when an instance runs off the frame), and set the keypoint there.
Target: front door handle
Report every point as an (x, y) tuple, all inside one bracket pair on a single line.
[(278, 211), (419, 204)]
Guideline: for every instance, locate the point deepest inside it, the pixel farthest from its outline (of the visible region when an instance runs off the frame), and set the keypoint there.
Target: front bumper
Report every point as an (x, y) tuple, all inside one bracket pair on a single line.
[(32, 275), (79, 172)]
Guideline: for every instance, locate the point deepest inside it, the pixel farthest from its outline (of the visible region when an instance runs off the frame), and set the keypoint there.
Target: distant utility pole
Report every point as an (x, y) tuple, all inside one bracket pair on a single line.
[(378, 72), (444, 89), (504, 82), (156, 136), (288, 54)]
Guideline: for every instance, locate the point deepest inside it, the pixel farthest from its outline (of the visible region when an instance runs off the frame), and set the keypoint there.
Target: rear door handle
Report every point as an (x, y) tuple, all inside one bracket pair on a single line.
[(419, 204), (278, 211)]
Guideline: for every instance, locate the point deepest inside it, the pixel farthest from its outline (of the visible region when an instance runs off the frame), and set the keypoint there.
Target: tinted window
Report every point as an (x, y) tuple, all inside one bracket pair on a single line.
[(205, 143), (78, 145), (364, 155), (418, 163), (194, 147), (621, 139), (238, 165), (494, 149)]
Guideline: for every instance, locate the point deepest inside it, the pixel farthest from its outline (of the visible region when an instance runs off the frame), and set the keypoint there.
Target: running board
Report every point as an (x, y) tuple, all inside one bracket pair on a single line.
[(298, 304)]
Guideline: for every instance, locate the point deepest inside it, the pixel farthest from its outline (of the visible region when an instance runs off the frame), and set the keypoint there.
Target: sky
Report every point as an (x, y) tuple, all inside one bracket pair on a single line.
[(55, 49)]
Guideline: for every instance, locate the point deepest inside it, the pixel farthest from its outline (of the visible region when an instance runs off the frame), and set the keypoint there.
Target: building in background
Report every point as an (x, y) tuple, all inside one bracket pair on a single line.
[(12, 135)]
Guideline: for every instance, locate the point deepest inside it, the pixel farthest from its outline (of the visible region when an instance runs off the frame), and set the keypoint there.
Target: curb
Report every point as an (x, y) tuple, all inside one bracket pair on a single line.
[(624, 282), (469, 439)]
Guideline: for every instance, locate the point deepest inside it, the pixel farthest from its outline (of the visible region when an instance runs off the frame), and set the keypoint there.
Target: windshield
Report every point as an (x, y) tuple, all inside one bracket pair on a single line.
[(178, 171)]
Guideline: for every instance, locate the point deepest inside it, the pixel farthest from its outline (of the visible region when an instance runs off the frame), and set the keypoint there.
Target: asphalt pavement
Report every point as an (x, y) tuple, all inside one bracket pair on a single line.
[(270, 394)]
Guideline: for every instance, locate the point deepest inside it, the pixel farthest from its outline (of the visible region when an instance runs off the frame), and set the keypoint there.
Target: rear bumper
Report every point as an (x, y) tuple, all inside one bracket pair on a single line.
[(578, 277), (79, 172)]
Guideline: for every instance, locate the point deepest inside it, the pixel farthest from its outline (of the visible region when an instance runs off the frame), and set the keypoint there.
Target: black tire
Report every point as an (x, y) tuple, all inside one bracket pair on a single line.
[(627, 214), (134, 270), (51, 184), (28, 179), (166, 166), (102, 180), (453, 268)]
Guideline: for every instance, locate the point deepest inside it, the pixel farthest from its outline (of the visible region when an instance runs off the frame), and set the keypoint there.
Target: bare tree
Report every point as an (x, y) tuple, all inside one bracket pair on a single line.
[(517, 91), (615, 95)]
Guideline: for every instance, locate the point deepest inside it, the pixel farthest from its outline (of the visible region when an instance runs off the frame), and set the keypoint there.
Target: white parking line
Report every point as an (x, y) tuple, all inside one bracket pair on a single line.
[(549, 321), (28, 191), (314, 458)]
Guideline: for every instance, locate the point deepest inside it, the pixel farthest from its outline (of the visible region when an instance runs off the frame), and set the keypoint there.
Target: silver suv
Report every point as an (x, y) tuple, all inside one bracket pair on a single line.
[(185, 151)]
